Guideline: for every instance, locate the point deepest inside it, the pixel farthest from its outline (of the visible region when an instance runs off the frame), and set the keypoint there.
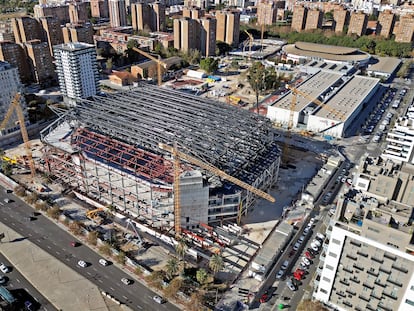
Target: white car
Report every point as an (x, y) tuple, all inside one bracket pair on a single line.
[(291, 286), (314, 247), (158, 299), (320, 236), (4, 268), (285, 265), (103, 262), (280, 274), (126, 281), (82, 264), (306, 261)]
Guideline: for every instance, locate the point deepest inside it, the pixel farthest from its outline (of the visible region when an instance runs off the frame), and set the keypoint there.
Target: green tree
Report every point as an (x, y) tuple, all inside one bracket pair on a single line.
[(7, 168), (222, 48), (172, 267), (216, 263), (256, 78), (181, 248), (209, 64), (109, 64), (121, 258), (201, 276)]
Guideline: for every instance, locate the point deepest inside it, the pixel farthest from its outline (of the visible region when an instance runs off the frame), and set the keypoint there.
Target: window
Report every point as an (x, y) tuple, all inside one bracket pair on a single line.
[(324, 291), (329, 267), (335, 241), (410, 302), (333, 255), (326, 279)]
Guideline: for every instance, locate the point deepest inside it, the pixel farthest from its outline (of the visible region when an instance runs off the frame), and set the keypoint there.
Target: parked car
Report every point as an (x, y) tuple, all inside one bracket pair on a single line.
[(82, 264), (306, 260), (280, 274), (309, 255), (296, 246), (4, 268), (128, 281), (320, 236), (74, 244), (103, 262), (3, 280), (314, 247), (285, 265), (316, 242), (291, 286)]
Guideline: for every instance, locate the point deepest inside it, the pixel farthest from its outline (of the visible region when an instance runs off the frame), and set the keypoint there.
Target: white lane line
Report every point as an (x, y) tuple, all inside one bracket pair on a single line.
[(18, 281), (57, 253), (112, 289), (139, 307), (67, 259), (13, 224), (100, 281), (29, 234), (88, 273), (38, 240), (48, 246), (125, 297), (94, 269)]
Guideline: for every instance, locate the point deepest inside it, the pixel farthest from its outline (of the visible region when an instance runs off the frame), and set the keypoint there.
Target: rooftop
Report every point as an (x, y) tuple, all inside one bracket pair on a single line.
[(385, 65)]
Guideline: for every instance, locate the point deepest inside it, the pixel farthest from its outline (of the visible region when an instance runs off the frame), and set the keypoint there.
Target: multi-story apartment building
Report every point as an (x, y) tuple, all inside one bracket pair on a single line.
[(77, 70), (202, 4), (99, 8), (148, 16), (59, 11), (404, 29), (41, 64), (207, 36), (228, 27), (299, 18), (78, 33), (314, 19), (367, 261), (185, 33), (52, 32), (117, 13), (340, 18), (78, 12), (266, 12), (26, 29), (193, 12), (6, 31), (15, 55), (385, 25), (358, 24)]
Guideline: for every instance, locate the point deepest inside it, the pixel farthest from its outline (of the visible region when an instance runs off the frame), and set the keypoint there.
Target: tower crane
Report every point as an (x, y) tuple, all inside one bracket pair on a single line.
[(157, 60), (15, 106), (251, 39), (295, 93), (177, 155)]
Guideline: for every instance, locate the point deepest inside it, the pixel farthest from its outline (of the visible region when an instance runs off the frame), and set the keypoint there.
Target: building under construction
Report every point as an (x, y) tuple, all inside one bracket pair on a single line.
[(108, 148)]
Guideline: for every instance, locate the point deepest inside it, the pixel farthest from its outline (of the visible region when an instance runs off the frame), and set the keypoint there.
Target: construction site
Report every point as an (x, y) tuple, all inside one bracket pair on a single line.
[(124, 150)]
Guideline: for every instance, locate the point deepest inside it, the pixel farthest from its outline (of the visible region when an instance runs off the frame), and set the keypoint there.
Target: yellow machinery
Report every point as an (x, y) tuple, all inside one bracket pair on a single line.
[(94, 215), (177, 155), (251, 39), (157, 60), (15, 106)]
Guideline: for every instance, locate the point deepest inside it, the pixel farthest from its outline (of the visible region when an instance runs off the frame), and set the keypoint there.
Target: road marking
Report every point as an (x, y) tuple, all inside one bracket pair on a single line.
[(57, 253), (18, 281), (48, 246), (112, 289), (29, 234), (100, 281), (38, 240), (67, 259), (94, 269), (13, 224), (88, 273), (139, 307), (125, 297)]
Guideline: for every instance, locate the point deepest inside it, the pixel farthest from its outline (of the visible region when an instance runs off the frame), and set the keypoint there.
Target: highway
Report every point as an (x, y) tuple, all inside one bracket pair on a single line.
[(57, 242)]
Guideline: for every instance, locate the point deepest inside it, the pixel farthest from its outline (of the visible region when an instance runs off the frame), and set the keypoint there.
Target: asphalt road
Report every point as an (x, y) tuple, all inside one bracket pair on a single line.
[(56, 241), (19, 286)]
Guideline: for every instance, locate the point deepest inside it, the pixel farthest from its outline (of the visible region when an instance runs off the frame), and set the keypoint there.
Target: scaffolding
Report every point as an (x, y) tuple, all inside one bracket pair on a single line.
[(107, 148)]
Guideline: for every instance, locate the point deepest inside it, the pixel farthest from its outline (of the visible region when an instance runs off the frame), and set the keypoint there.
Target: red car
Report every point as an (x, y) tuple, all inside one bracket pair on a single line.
[(74, 244), (264, 298), (309, 255), (300, 271)]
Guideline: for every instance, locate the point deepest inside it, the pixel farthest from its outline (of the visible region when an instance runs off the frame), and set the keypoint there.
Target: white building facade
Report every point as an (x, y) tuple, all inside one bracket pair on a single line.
[(77, 70)]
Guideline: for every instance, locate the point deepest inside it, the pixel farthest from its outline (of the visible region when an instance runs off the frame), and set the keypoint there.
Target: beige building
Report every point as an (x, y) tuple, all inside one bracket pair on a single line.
[(358, 24), (266, 12), (99, 8), (41, 63), (185, 33), (386, 22), (193, 12), (61, 12), (52, 31), (207, 36), (228, 27), (78, 33), (314, 19), (117, 13), (149, 17), (78, 12), (14, 54), (404, 29), (202, 4), (299, 18), (341, 18)]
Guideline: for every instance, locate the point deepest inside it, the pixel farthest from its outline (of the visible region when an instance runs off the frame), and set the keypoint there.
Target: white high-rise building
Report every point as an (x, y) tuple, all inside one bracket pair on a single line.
[(117, 13), (77, 70), (9, 84)]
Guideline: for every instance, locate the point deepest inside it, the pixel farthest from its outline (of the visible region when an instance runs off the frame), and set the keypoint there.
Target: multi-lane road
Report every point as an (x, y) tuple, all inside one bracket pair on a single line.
[(57, 242)]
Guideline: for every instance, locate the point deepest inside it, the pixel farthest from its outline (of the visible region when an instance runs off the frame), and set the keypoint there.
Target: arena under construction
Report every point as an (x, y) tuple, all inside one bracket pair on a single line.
[(107, 148)]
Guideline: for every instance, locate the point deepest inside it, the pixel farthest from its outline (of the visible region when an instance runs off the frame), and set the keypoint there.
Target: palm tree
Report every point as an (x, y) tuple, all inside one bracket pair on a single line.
[(181, 248), (172, 267), (201, 276), (216, 263)]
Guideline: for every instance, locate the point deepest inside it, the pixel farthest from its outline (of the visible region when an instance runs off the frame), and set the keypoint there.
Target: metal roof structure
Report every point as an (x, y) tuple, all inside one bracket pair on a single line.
[(237, 141)]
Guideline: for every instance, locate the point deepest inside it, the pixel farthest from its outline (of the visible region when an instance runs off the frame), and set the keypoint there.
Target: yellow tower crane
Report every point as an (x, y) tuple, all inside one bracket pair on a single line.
[(181, 155), (295, 93), (158, 61), (15, 106), (251, 39)]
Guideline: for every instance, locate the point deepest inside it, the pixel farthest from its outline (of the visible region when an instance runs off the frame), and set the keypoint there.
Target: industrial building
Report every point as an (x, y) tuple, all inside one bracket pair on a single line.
[(368, 262), (108, 148), (330, 102)]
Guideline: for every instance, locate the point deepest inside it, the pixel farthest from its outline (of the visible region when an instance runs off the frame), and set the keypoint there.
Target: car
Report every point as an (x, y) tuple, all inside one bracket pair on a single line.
[(28, 306), (291, 286), (158, 299), (3, 280), (303, 265), (264, 297), (301, 239), (316, 242), (74, 244), (313, 219), (306, 230), (127, 282), (306, 260), (4, 268), (9, 191), (280, 274), (296, 246), (82, 264), (7, 200), (314, 247), (309, 255), (285, 265), (320, 236), (103, 262)]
